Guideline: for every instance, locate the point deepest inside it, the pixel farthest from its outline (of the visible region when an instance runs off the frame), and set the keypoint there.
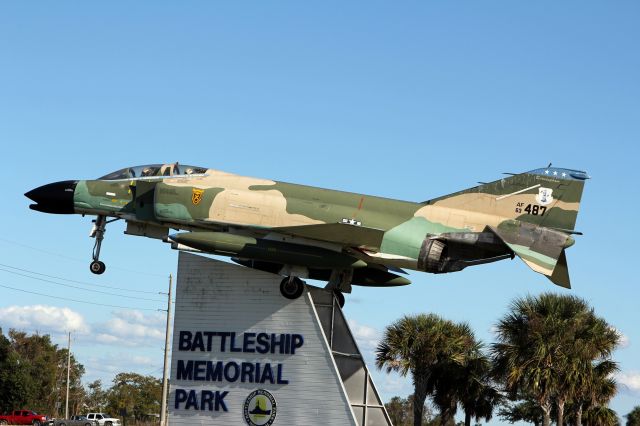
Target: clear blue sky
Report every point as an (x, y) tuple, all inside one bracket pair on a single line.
[(407, 100)]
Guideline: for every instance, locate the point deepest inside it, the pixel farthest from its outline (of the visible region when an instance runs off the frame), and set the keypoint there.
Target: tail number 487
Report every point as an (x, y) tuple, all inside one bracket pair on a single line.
[(532, 209)]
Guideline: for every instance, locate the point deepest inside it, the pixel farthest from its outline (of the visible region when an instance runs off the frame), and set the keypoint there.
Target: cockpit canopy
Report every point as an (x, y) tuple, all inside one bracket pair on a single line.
[(150, 170)]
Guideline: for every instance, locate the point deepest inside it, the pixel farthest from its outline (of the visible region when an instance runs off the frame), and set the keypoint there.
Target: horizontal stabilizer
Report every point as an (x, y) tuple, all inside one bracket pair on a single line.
[(542, 250), (345, 234), (560, 274)]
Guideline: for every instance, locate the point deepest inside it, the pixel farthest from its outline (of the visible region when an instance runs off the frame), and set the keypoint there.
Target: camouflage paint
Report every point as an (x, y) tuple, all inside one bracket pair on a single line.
[(532, 213)]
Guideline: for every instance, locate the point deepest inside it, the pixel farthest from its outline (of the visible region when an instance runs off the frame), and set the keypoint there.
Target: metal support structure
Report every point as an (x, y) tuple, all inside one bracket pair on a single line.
[(329, 382), (163, 405), (66, 405), (333, 310), (363, 396)]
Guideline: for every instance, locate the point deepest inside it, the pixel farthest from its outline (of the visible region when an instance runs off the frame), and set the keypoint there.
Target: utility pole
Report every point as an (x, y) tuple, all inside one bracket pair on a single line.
[(165, 380), (66, 406)]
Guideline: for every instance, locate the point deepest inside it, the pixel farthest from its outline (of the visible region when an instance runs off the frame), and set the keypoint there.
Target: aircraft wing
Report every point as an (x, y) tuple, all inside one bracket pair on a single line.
[(542, 249), (345, 234)]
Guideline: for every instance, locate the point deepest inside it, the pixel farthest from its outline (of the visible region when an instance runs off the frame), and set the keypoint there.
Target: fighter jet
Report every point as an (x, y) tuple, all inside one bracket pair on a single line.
[(340, 237)]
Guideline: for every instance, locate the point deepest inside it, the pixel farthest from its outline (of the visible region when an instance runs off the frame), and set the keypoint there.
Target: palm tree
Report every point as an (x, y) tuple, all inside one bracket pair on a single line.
[(450, 376), (633, 418), (526, 411), (467, 383), (601, 416), (596, 388), (546, 345), (524, 355), (585, 376), (477, 394), (422, 345)]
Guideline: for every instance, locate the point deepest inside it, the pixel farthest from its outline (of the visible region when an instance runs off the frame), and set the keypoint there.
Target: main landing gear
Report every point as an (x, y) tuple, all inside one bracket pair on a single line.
[(340, 283), (292, 287), (339, 296), (97, 232)]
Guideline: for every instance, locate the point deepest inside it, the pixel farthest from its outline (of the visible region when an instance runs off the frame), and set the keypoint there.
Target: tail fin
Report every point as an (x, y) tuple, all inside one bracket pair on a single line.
[(548, 197), (533, 213)]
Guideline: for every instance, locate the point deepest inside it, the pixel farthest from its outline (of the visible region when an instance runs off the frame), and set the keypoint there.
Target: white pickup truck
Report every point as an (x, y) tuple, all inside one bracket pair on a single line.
[(104, 419)]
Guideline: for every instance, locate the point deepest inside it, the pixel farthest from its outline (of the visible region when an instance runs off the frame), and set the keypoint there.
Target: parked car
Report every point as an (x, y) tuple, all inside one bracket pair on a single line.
[(104, 419), (75, 421), (24, 417)]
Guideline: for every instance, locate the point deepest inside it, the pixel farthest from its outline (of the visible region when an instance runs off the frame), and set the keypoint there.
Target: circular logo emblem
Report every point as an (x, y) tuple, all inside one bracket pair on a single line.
[(260, 408)]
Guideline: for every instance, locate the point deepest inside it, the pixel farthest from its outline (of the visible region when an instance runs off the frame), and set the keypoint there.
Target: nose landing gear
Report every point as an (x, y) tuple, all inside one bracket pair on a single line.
[(97, 267), (97, 232)]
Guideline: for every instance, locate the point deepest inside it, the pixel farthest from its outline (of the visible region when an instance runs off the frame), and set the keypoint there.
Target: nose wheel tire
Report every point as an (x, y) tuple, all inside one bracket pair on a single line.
[(339, 298), (97, 267), (291, 287)]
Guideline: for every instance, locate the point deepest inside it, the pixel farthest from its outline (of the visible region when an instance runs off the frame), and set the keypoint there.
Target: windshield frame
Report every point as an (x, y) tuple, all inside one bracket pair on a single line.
[(155, 172)]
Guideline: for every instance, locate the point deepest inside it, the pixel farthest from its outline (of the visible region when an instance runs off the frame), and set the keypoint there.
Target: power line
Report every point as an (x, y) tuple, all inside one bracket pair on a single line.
[(40, 250), (73, 258), (77, 282), (78, 301), (79, 288), (156, 371)]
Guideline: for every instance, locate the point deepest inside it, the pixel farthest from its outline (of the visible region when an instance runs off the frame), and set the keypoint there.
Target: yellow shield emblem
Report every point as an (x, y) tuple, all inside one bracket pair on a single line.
[(196, 196)]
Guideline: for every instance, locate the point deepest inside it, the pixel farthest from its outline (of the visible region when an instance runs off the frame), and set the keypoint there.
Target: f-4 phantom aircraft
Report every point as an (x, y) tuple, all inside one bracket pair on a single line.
[(340, 237)]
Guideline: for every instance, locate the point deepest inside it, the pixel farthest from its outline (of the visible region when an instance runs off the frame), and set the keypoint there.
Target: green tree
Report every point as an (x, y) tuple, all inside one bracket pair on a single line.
[(401, 412), (420, 345), (39, 358), (396, 408), (525, 411), (546, 346), (633, 418), (476, 392), (601, 416), (586, 368), (77, 393), (465, 381), (45, 369), (14, 386), (42, 374), (596, 388), (138, 395), (96, 396)]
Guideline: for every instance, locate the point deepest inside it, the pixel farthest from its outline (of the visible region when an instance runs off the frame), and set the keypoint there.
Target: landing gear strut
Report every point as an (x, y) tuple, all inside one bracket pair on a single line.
[(291, 287), (97, 232), (340, 283)]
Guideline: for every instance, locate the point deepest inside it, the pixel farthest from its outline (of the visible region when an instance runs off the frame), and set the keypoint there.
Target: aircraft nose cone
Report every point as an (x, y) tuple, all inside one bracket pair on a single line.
[(54, 197)]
